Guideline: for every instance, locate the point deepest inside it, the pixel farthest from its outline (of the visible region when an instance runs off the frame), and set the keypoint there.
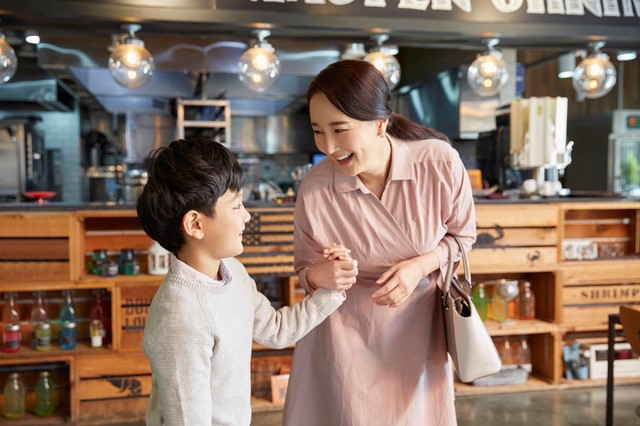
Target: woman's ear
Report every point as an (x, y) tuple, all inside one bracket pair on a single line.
[(192, 224), (382, 127)]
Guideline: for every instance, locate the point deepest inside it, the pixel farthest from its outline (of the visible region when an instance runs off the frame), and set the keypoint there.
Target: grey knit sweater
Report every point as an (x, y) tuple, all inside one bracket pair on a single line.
[(198, 339)]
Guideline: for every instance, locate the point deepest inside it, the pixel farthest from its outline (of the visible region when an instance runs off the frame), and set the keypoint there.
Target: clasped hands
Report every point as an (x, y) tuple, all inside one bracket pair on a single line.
[(336, 270)]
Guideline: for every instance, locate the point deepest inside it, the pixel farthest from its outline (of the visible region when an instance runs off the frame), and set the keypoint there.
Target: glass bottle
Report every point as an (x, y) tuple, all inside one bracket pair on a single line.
[(481, 301), (96, 332), (45, 395), (99, 312), (12, 336), (68, 322), (41, 327), (526, 302), (14, 397)]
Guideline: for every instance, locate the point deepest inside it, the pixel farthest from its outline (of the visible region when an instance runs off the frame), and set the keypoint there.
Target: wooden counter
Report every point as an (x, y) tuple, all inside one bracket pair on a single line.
[(49, 250)]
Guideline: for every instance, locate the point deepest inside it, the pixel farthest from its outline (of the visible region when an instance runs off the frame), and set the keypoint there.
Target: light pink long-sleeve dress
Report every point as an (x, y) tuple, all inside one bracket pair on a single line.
[(369, 365)]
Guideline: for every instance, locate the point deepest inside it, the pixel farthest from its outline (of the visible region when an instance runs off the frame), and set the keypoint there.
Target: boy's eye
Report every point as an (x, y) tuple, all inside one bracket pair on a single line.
[(239, 206)]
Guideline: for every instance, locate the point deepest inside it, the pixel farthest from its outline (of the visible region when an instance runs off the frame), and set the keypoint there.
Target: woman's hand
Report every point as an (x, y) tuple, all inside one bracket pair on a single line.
[(399, 281), (335, 269)]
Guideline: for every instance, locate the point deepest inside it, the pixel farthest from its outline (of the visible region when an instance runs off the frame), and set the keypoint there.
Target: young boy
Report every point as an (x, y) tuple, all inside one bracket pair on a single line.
[(207, 310)]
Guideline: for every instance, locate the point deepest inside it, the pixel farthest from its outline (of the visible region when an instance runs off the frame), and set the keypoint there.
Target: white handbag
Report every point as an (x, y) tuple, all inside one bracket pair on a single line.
[(468, 341)]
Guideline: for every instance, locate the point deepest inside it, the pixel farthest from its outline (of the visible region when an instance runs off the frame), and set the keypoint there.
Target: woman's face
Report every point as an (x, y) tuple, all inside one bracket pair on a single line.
[(355, 146)]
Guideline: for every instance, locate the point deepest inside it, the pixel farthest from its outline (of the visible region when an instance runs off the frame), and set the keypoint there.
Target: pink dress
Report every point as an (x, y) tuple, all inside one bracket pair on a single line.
[(369, 365)]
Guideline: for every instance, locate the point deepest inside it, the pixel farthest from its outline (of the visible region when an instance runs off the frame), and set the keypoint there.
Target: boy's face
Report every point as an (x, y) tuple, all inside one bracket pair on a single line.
[(223, 233)]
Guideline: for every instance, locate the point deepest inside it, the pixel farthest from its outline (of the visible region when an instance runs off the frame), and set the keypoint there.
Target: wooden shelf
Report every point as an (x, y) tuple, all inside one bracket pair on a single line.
[(532, 384), (30, 419), (120, 279), (261, 405), (521, 327), (26, 352)]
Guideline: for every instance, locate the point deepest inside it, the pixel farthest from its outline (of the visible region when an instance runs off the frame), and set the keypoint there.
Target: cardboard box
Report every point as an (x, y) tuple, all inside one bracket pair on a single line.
[(626, 363)]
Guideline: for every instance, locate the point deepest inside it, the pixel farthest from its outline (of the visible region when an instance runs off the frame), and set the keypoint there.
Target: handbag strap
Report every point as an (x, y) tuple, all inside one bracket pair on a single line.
[(450, 266)]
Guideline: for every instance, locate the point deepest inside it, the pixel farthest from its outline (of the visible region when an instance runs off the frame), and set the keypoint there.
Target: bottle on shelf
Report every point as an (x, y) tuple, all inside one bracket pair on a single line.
[(45, 395), (41, 327), (526, 302), (100, 312), (68, 322), (12, 336), (481, 300), (96, 332), (14, 397)]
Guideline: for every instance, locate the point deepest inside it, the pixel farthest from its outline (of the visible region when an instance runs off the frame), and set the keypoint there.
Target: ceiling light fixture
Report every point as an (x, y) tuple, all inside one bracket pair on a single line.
[(566, 65), (595, 76), (353, 51), (130, 64), (8, 60), (382, 57), (626, 55), (488, 74), (259, 67)]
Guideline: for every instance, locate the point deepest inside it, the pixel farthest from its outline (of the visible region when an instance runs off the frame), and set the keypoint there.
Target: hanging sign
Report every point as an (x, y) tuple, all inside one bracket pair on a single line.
[(603, 12)]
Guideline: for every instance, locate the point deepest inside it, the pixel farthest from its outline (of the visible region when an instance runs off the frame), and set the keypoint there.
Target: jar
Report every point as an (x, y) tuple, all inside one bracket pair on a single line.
[(43, 336), (12, 337), (129, 265), (99, 259)]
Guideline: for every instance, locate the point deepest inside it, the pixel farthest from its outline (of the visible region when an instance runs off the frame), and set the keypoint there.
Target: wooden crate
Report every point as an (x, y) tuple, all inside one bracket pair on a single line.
[(593, 290), (132, 309), (509, 241), (112, 388)]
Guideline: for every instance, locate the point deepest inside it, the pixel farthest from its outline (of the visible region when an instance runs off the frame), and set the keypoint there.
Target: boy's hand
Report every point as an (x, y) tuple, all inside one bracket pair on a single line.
[(334, 270)]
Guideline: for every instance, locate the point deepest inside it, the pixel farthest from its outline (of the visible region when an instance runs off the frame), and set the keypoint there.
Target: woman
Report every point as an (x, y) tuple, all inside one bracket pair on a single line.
[(389, 190)]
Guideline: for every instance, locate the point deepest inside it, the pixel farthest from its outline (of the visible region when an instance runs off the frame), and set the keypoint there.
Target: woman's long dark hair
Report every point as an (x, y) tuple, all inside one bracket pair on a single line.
[(359, 90)]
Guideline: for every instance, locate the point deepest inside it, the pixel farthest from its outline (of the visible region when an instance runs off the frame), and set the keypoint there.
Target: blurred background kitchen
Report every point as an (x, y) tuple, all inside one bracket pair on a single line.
[(68, 126)]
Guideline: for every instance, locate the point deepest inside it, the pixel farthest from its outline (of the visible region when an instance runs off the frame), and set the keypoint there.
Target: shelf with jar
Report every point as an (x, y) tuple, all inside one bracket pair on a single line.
[(37, 393)]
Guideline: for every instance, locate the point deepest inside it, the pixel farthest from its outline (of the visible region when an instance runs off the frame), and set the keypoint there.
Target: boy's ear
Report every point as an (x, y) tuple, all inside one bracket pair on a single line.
[(192, 224)]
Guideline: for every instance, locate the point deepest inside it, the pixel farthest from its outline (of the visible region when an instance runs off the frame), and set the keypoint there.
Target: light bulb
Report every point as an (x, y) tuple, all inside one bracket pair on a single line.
[(595, 76), (8, 61), (130, 64), (387, 64), (259, 67), (488, 74)]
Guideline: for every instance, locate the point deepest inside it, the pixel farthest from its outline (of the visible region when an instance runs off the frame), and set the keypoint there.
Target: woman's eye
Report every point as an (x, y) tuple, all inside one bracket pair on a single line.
[(341, 130), (317, 132)]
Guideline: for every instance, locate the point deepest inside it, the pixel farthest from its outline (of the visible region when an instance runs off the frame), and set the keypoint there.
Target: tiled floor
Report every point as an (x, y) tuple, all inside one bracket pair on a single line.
[(575, 407)]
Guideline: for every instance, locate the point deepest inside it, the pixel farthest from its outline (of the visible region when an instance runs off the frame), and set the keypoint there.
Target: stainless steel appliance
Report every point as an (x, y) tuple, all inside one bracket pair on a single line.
[(624, 153), (22, 158)]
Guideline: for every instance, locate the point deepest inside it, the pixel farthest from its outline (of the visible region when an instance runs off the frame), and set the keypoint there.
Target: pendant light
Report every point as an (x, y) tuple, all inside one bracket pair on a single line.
[(488, 74), (8, 60), (595, 76), (259, 67), (130, 64), (382, 57)]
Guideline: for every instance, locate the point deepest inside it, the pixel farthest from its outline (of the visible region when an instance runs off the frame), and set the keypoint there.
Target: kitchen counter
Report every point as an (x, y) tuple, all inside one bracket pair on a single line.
[(64, 206)]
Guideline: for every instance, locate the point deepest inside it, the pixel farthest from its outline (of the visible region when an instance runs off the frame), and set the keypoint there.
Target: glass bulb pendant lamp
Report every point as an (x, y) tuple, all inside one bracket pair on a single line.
[(8, 60), (259, 67), (488, 74), (595, 76), (130, 64), (383, 59)]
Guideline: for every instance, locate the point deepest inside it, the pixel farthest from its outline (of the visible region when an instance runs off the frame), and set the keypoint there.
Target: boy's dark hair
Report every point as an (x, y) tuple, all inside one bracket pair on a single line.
[(185, 175)]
